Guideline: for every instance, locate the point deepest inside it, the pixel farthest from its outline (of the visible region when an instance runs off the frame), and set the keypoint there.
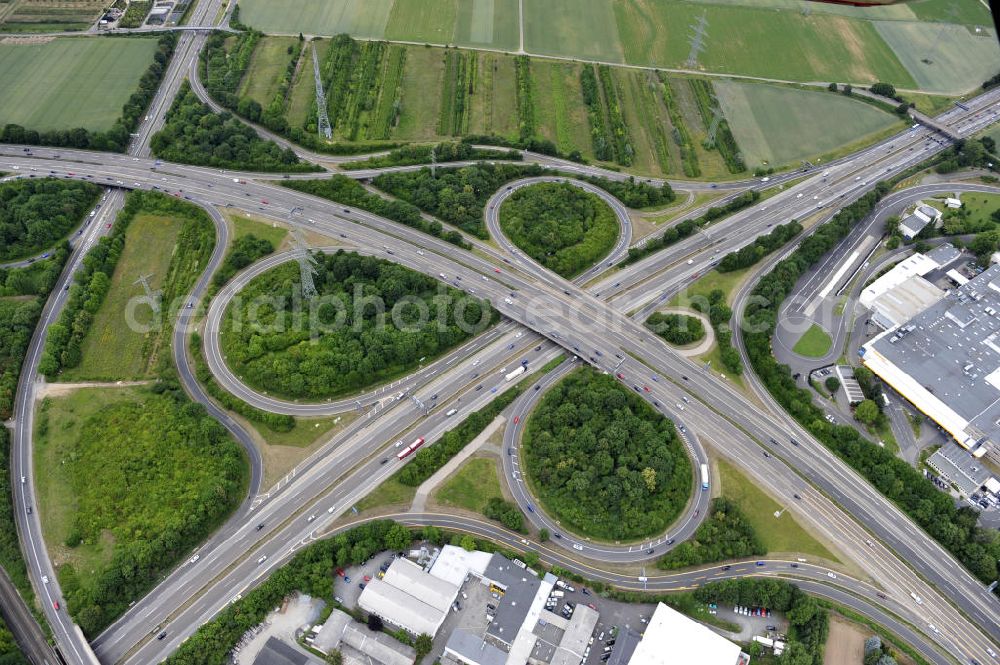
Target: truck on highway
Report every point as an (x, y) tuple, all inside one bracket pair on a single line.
[(704, 477), (405, 452), (517, 372)]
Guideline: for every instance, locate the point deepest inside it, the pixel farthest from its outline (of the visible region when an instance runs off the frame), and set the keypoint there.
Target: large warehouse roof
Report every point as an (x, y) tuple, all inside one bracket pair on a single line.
[(410, 598), (946, 360), (672, 638)]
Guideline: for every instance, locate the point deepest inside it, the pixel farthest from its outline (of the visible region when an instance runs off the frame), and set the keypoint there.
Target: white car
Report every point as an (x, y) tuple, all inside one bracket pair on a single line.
[(262, 559), (331, 509), (195, 558), (832, 576), (45, 579), (578, 546)]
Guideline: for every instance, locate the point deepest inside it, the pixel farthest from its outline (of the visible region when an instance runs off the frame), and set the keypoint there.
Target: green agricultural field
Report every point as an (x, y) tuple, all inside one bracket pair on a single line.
[(422, 21), (318, 17), (303, 93), (948, 59), (574, 28), (270, 60), (492, 23), (780, 125), (70, 82), (814, 343), (758, 42)]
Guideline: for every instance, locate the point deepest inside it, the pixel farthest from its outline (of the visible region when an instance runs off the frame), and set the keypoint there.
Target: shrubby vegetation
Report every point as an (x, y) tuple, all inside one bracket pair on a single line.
[(136, 13), (525, 103), (689, 226), (679, 329), (564, 228), (505, 512), (750, 254), (429, 459), (955, 528), (159, 474), (193, 134), (357, 350), (276, 422), (421, 154), (724, 140), (719, 313), (19, 317), (117, 138), (10, 548), (603, 462), (681, 136), (725, 534), (633, 193), (455, 195), (966, 153), (808, 621), (223, 70), (350, 192), (245, 250), (36, 214)]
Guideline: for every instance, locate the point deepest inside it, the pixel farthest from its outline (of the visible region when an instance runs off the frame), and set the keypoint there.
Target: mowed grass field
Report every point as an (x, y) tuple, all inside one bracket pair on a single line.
[(472, 486), (112, 350), (814, 343), (318, 17), (70, 82), (577, 28), (778, 534), (948, 59), (780, 125)]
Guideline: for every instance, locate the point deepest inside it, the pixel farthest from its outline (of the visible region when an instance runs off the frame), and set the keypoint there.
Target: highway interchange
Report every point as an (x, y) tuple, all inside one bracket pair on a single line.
[(886, 545)]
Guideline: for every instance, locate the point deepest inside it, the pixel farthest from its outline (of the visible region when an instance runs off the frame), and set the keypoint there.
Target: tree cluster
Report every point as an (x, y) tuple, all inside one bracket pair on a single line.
[(193, 134), (356, 347), (750, 254), (505, 512), (955, 528), (36, 214), (350, 192), (429, 459), (18, 318), (966, 153), (719, 313), (536, 144), (245, 250), (603, 461), (808, 621), (276, 422), (679, 329), (311, 571), (725, 534), (633, 193), (117, 138), (564, 228), (159, 473), (455, 195), (689, 226)]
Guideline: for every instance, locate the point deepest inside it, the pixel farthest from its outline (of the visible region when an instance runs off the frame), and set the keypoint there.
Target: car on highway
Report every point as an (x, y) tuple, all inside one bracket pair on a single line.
[(45, 579), (161, 635), (620, 376), (517, 419), (55, 604)]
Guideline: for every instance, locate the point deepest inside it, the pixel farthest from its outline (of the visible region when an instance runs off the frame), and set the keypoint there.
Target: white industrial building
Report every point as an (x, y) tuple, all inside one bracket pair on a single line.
[(902, 292), (673, 638), (946, 362), (922, 215), (409, 598)]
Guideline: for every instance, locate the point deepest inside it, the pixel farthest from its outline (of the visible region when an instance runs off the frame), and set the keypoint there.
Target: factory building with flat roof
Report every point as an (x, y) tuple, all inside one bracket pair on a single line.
[(946, 361)]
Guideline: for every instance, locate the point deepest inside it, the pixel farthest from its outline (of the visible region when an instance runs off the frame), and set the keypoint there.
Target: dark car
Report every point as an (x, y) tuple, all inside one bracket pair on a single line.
[(161, 635), (260, 526), (726, 567)]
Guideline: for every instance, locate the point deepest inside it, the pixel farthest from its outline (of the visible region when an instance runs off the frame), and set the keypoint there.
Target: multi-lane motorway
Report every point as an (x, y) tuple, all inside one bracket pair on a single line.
[(570, 318)]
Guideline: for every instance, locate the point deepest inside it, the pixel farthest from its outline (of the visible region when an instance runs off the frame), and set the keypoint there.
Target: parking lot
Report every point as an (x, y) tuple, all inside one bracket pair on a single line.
[(347, 588)]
